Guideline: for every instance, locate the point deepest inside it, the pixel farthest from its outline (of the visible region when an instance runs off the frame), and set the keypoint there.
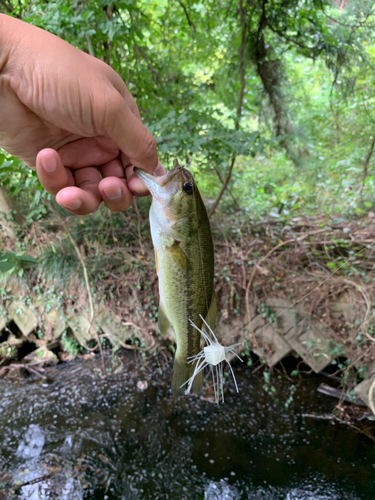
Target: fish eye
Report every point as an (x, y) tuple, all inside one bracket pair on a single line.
[(187, 188)]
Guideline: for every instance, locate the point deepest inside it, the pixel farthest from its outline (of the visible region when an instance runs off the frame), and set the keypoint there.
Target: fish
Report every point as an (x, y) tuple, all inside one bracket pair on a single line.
[(184, 258)]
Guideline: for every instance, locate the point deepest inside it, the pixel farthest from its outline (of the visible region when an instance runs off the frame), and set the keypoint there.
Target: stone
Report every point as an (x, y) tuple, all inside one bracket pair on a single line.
[(342, 309), (42, 355), (82, 328), (230, 333), (23, 316), (362, 390), (54, 325), (113, 329), (308, 340), (271, 346), (12, 340), (257, 323), (287, 316), (3, 319)]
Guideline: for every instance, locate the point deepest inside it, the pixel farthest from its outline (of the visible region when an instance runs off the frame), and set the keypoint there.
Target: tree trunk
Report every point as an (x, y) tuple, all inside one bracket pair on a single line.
[(7, 204)]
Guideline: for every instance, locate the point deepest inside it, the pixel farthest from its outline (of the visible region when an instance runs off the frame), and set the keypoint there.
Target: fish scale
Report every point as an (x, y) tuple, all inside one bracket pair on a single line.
[(184, 255)]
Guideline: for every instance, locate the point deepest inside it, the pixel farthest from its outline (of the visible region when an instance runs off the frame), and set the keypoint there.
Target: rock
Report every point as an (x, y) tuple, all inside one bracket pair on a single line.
[(3, 319), (23, 316), (362, 390), (8, 351), (54, 325), (42, 355), (271, 346), (81, 328), (257, 322), (309, 342), (12, 340), (9, 348), (342, 309), (229, 333), (287, 316), (112, 327)]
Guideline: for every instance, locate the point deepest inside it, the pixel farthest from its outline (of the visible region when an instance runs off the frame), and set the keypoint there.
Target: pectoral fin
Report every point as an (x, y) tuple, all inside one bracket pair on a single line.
[(211, 315), (178, 255), (156, 260), (163, 321)]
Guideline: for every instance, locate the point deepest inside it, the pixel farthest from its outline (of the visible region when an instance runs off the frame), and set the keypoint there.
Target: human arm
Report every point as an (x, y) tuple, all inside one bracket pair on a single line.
[(71, 116)]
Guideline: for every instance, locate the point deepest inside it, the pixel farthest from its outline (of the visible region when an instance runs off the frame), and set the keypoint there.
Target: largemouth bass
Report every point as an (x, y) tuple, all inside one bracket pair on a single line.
[(184, 257)]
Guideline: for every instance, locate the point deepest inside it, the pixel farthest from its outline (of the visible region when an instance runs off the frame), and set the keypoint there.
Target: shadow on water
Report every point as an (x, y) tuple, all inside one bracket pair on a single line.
[(75, 436)]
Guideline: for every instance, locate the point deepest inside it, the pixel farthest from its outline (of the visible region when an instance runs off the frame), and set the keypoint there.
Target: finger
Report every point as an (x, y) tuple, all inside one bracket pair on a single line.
[(115, 194), (51, 172), (85, 197), (129, 133), (113, 188), (135, 184), (113, 168), (88, 151)]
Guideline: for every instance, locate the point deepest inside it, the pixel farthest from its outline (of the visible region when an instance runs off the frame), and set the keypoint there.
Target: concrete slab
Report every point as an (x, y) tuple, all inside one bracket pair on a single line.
[(54, 325), (308, 340), (362, 391), (3, 318), (81, 328), (23, 316), (271, 346), (343, 310), (287, 316), (112, 327), (42, 356)]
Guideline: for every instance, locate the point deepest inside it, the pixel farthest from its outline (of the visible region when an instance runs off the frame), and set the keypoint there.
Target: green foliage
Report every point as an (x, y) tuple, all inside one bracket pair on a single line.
[(306, 123), (11, 262)]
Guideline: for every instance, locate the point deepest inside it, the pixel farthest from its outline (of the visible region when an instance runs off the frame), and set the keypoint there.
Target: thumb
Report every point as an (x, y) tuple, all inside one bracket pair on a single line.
[(130, 135)]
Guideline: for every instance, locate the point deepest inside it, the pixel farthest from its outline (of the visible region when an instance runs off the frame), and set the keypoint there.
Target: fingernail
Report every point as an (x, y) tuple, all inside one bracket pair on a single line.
[(49, 163), (73, 205), (113, 193)]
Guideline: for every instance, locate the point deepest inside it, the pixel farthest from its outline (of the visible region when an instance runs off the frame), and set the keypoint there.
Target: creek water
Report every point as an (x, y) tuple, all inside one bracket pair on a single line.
[(77, 436)]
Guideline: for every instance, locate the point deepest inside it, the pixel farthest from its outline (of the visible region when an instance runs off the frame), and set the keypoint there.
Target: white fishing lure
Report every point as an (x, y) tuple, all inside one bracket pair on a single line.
[(213, 355)]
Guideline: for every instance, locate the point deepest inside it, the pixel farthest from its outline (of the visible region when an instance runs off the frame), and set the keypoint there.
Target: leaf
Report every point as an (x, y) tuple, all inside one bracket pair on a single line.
[(6, 266), (331, 265)]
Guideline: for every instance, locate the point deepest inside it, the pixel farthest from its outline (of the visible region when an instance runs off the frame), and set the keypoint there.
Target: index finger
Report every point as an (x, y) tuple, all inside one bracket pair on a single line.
[(129, 133)]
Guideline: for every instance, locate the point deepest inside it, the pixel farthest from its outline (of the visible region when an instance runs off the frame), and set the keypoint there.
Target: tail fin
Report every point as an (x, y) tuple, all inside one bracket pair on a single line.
[(182, 371)]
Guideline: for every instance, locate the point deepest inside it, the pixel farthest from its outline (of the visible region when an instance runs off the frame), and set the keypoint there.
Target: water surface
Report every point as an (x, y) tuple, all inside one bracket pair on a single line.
[(76, 436)]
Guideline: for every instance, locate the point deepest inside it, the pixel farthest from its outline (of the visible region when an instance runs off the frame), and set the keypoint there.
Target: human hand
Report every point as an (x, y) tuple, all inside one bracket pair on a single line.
[(72, 117)]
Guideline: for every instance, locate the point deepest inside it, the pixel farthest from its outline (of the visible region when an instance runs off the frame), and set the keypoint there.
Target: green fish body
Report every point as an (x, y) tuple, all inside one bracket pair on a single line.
[(184, 256)]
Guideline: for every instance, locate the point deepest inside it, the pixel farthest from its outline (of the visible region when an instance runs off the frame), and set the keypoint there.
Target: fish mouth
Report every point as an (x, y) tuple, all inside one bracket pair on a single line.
[(150, 182), (155, 184)]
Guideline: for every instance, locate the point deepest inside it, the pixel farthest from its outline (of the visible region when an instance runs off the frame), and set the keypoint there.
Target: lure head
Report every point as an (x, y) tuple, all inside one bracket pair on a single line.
[(174, 195), (214, 353)]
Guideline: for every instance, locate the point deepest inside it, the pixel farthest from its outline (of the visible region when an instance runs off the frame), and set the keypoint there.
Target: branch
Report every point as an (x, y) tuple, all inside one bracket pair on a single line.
[(239, 106), (367, 161), (7, 7), (222, 181), (151, 69), (190, 22), (89, 45)]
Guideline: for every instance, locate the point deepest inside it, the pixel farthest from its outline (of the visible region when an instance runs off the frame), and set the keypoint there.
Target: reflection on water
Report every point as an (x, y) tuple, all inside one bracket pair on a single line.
[(75, 436), (32, 442)]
